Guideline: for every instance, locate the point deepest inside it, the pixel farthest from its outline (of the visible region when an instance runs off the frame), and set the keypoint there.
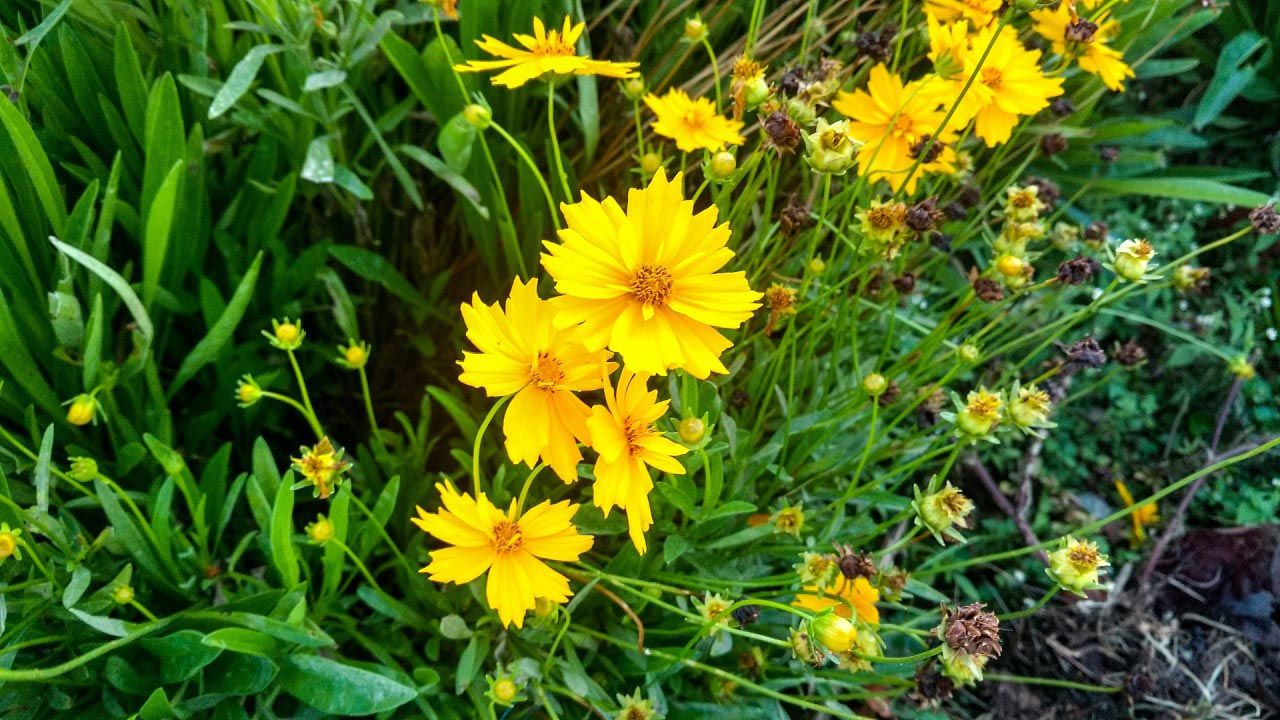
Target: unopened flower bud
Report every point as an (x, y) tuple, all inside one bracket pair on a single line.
[(82, 409), (722, 166), (694, 29), (692, 430), (83, 469), (123, 594), (833, 632), (1242, 368), (477, 116), (650, 162), (874, 384)]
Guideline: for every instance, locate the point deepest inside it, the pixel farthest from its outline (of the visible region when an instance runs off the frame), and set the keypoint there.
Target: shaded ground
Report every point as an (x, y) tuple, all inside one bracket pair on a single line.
[(1203, 642)]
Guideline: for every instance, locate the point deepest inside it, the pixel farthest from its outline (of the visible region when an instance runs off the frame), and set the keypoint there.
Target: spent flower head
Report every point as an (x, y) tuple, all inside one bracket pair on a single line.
[(831, 149), (83, 469), (1029, 408), (714, 609), (1076, 565), (1132, 258), (322, 467)]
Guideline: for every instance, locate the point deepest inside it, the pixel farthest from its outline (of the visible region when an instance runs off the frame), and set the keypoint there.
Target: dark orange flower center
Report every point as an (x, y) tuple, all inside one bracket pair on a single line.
[(992, 77), (651, 285), (507, 537), (1083, 557), (548, 373), (903, 125)]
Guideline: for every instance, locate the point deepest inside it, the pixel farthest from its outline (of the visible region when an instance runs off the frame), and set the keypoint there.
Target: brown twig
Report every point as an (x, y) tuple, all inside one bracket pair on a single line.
[(1001, 500), (1174, 528), (626, 609)]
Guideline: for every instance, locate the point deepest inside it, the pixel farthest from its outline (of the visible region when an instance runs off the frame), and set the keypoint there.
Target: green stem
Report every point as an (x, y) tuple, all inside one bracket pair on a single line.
[(306, 397), (477, 483), (311, 420), (1044, 600), (1049, 682), (533, 167), (45, 674), (555, 142)]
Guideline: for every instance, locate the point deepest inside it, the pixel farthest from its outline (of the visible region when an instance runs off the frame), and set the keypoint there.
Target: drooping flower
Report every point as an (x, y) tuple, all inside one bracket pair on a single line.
[(831, 149), (546, 52), (523, 353), (509, 546), (853, 599), (692, 122), (978, 12), (321, 466), (1085, 40), (1142, 516), (1008, 84), (645, 281), (1132, 258), (622, 432), (897, 124)]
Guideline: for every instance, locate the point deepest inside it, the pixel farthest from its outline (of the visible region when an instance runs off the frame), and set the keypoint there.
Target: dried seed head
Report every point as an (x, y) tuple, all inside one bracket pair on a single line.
[(1131, 354), (926, 149), (1084, 353), (876, 45), (932, 687), (1053, 143), (929, 410), (923, 215), (1078, 270), (905, 283), (890, 394), (746, 614), (791, 81), (855, 564), (1046, 190), (783, 132), (1081, 30), (794, 218), (987, 289), (1265, 219), (971, 630), (1108, 153), (1062, 107)]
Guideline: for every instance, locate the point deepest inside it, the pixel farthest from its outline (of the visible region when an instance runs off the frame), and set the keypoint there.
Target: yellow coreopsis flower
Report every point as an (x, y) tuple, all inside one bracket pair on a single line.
[(1086, 41), (1076, 565), (523, 353), (9, 544), (1009, 84), (1144, 515), (509, 546), (546, 52), (853, 599), (645, 281), (622, 432), (692, 122), (978, 12), (896, 123), (948, 46), (321, 466)]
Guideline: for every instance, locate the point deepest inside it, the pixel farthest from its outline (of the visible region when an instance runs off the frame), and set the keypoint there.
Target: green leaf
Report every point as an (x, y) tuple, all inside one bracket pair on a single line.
[(461, 416), (117, 283), (155, 244), (450, 176), (157, 707), (36, 163), (334, 687), (243, 640), (1231, 75), (80, 579), (212, 344), (42, 476), (240, 78), (372, 266), (91, 351), (33, 36), (237, 674), (108, 625), (323, 79), (131, 85), (455, 141), (180, 654), (318, 167), (1181, 188), (283, 555)]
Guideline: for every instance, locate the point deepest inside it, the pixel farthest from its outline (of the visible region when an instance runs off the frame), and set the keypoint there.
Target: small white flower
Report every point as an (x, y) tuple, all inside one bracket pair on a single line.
[(1272, 334)]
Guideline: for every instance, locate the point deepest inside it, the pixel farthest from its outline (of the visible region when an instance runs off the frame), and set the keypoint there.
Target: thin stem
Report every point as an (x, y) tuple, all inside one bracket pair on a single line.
[(555, 142), (368, 409), (715, 69), (1049, 682), (477, 483), (311, 420), (1044, 600), (533, 167)]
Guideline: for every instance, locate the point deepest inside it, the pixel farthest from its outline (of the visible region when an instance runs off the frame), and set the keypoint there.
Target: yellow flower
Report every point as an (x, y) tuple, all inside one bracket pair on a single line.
[(713, 609), (852, 599), (622, 433), (545, 52), (1132, 259), (248, 391), (644, 281), (833, 632), (1145, 515), (449, 8), (789, 520), (1242, 368), (692, 122), (321, 466), (748, 87), (978, 415), (1087, 43), (884, 224), (320, 531), (942, 511), (9, 543), (1022, 203), (978, 12), (522, 353), (1075, 565), (286, 334), (82, 410), (1029, 408), (948, 46), (354, 355), (509, 546), (1009, 84), (895, 123), (866, 643)]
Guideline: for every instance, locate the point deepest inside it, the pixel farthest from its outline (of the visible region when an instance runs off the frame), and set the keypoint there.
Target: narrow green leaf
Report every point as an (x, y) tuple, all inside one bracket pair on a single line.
[(42, 476), (155, 242), (334, 687), (240, 78), (117, 283), (372, 266), (450, 176), (213, 343), (1181, 188), (283, 555), (36, 163)]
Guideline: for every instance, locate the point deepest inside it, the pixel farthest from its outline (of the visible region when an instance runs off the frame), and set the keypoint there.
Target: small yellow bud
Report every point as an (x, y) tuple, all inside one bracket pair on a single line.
[(833, 632), (123, 594), (1132, 259), (694, 29), (650, 162), (9, 542), (633, 88), (691, 430), (82, 410), (874, 384), (286, 334), (83, 469), (817, 265), (477, 116), (1242, 368), (248, 391), (505, 690), (355, 355), (968, 353), (320, 531), (723, 165), (1010, 266)]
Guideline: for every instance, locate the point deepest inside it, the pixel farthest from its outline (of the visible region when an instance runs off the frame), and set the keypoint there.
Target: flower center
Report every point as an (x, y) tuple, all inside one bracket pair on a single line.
[(992, 77), (633, 431), (651, 285), (548, 373), (507, 537), (903, 125), (7, 545), (553, 45), (1083, 557), (984, 406)]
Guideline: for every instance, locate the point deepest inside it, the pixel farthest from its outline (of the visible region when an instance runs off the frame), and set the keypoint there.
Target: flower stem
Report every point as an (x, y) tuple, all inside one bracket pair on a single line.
[(477, 483), (533, 167), (555, 142), (1044, 600), (306, 397)]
